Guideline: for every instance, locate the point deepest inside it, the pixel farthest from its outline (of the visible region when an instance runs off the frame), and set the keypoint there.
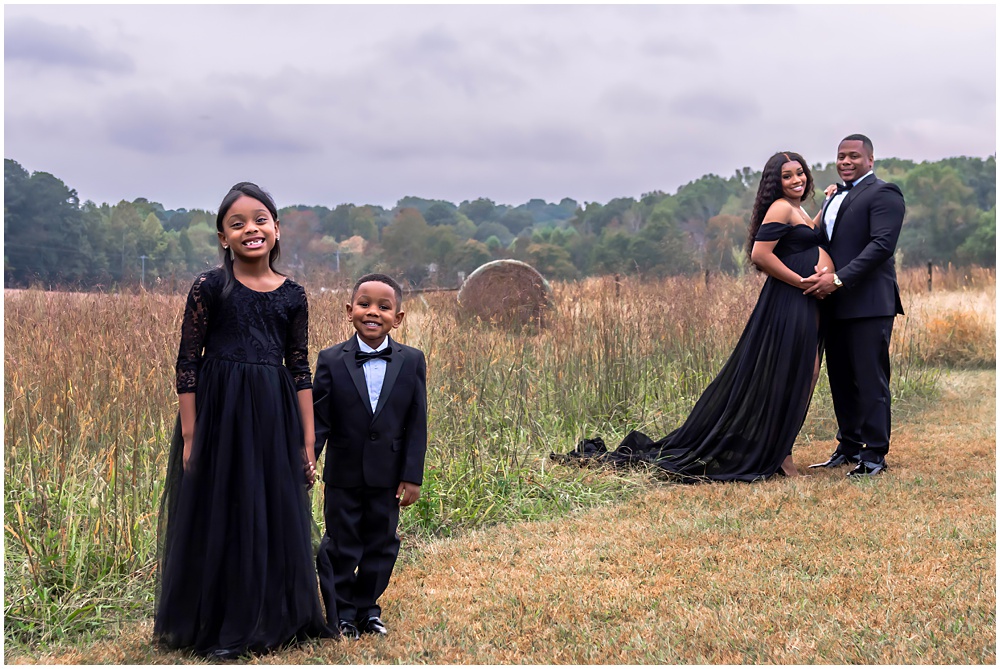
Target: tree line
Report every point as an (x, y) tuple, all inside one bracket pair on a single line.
[(53, 240)]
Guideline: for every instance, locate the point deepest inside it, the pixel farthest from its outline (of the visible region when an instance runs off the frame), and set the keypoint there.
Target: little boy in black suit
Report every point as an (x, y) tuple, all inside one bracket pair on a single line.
[(370, 399)]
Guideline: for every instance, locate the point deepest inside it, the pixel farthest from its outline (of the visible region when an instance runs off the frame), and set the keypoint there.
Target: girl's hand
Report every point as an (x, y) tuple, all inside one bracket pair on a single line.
[(830, 191), (186, 457), (310, 468)]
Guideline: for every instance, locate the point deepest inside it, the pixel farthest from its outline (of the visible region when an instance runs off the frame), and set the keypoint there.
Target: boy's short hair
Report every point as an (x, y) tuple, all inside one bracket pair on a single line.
[(381, 278)]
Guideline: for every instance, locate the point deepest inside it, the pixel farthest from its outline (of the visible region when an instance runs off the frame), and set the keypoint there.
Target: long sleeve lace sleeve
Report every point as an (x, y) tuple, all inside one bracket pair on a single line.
[(297, 344), (193, 330)]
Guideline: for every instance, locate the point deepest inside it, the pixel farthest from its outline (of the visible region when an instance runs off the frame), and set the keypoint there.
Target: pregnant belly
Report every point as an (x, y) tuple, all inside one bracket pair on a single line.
[(803, 262)]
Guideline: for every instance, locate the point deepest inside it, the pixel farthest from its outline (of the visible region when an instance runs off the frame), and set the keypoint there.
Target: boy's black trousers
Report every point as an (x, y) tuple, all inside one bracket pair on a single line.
[(358, 550)]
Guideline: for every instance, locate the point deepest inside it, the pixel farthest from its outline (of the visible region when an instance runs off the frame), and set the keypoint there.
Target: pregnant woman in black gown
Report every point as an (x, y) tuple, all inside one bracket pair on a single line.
[(743, 426)]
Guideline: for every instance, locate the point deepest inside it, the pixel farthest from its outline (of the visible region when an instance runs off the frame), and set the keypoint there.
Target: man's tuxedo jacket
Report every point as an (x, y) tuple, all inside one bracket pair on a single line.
[(864, 239)]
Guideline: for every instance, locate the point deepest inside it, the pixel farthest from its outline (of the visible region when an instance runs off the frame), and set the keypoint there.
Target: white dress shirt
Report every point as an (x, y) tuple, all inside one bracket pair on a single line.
[(374, 371), (830, 217)]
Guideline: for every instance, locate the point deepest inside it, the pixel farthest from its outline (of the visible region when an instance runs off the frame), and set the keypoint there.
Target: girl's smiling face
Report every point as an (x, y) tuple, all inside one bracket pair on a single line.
[(373, 312), (249, 229)]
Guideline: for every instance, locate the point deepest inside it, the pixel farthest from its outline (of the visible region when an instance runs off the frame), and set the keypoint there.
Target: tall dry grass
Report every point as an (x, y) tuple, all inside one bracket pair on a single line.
[(958, 329), (87, 408), (89, 405), (946, 278)]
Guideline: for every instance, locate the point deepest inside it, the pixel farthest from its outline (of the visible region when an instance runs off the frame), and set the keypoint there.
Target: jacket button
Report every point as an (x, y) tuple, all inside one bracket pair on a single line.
[(373, 436)]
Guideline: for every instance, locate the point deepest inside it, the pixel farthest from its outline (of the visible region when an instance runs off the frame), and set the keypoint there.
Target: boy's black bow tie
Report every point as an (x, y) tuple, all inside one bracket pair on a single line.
[(361, 357), (843, 188)]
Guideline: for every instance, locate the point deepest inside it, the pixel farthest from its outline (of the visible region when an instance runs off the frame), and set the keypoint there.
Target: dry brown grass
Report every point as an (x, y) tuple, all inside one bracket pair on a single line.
[(89, 405), (899, 570), (957, 328), (946, 278)]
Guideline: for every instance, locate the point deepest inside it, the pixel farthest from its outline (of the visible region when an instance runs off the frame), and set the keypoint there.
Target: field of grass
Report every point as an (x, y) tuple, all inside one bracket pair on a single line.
[(89, 406)]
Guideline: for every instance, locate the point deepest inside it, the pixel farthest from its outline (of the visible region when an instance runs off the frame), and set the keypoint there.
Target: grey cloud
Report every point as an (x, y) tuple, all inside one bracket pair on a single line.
[(35, 42), (436, 42), (674, 47), (260, 142), (541, 143), (715, 107), (590, 102), (631, 99), (170, 125), (436, 56), (533, 51)]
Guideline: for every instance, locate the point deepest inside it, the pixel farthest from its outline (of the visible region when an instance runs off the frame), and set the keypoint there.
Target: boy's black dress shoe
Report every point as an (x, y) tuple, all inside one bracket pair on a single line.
[(837, 459), (348, 630), (867, 469), (373, 625)]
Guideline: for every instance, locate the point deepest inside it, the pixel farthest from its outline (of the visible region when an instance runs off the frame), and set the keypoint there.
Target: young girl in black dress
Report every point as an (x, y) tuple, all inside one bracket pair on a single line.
[(236, 560)]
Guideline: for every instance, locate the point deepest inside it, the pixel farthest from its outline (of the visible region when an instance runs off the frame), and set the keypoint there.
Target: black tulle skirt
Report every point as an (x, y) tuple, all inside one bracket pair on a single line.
[(237, 571)]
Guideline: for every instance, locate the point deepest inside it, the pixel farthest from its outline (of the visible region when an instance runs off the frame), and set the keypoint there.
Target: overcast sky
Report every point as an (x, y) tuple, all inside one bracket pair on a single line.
[(325, 104)]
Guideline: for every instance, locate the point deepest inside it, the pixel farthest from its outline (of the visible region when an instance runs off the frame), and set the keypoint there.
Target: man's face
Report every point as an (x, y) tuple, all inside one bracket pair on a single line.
[(853, 161)]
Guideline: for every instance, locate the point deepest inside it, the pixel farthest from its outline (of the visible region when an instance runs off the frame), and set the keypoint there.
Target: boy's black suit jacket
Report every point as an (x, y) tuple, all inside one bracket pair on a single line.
[(864, 240), (377, 449)]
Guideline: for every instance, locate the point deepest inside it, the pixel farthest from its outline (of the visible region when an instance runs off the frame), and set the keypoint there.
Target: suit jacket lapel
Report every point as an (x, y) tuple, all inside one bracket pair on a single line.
[(392, 367), (851, 195), (357, 373)]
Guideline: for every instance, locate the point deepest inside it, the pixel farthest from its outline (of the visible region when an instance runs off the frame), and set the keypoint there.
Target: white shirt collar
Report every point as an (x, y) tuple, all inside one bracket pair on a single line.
[(365, 348), (856, 181)]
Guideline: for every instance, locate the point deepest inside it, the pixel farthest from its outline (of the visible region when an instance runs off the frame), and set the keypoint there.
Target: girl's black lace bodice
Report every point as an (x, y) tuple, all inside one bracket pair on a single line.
[(269, 328)]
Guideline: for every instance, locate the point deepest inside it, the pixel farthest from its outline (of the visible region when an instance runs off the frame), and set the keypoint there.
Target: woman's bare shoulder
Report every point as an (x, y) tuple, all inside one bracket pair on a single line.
[(780, 211)]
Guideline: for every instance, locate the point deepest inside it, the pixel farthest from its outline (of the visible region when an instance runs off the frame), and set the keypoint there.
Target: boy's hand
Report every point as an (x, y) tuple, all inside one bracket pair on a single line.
[(407, 493)]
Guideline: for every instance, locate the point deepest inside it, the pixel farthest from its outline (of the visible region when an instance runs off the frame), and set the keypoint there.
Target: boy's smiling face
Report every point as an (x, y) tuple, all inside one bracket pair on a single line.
[(373, 312)]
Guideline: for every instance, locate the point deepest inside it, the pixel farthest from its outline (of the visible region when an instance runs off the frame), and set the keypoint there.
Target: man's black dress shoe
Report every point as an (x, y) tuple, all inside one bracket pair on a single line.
[(867, 469), (836, 460), (373, 625), (348, 630)]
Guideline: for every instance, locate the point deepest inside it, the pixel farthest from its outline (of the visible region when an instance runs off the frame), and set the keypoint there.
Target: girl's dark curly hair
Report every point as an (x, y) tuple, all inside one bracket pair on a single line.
[(770, 189)]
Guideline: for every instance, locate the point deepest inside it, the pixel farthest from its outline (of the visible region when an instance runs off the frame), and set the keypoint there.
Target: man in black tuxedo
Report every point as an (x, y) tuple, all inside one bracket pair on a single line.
[(370, 401), (862, 222)]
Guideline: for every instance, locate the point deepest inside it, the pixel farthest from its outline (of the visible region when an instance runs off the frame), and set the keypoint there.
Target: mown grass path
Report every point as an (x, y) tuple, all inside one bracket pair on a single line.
[(896, 570)]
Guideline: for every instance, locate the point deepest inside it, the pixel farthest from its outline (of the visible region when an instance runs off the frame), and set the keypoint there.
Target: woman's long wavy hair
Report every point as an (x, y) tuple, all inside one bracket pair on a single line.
[(235, 193), (770, 189)]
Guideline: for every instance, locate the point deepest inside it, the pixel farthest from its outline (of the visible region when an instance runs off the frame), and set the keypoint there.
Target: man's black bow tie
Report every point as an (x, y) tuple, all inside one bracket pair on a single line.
[(843, 188), (361, 357)]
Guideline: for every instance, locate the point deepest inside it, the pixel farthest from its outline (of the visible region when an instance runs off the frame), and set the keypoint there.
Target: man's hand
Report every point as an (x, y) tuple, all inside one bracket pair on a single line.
[(407, 493), (820, 285)]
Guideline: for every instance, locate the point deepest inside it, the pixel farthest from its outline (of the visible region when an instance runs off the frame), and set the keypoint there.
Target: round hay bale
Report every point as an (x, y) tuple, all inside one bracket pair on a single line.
[(506, 292)]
